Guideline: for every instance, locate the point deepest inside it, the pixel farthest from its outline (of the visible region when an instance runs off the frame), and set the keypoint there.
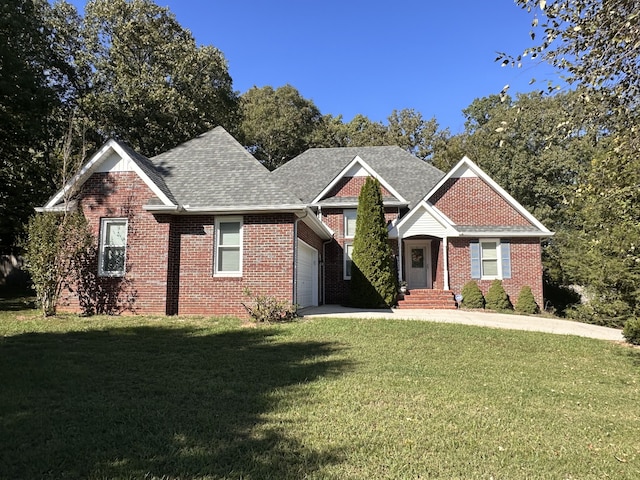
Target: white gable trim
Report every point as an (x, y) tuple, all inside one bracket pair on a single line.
[(439, 225), (358, 167), (105, 156), (466, 168)]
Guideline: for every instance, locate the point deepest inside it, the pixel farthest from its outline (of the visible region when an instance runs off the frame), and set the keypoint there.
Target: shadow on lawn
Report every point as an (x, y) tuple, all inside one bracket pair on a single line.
[(155, 403)]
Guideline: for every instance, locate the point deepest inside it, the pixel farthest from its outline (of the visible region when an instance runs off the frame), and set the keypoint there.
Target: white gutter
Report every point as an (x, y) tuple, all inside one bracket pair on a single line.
[(504, 233)]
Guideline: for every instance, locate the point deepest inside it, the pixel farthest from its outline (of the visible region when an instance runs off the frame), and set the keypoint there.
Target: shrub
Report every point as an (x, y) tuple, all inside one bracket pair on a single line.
[(497, 299), (472, 296), (526, 303), (268, 309), (55, 249), (631, 331)]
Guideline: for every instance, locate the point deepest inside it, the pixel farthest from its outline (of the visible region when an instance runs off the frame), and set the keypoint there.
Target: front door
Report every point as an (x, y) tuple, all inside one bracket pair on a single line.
[(417, 265)]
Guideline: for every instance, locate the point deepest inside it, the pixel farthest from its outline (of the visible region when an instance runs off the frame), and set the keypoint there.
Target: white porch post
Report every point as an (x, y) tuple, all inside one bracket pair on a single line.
[(400, 262), (445, 260)]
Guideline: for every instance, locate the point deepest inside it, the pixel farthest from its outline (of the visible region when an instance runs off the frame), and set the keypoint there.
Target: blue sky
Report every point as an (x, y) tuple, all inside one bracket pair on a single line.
[(369, 57)]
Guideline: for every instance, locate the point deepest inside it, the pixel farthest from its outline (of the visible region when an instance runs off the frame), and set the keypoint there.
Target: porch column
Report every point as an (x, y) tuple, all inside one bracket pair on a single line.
[(445, 260), (400, 262)]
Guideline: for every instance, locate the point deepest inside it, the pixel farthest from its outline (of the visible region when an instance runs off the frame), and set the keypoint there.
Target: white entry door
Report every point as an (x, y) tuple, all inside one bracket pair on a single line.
[(417, 264)]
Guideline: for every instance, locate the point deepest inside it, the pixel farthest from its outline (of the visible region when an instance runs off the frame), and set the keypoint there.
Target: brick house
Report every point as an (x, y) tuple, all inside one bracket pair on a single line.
[(191, 230)]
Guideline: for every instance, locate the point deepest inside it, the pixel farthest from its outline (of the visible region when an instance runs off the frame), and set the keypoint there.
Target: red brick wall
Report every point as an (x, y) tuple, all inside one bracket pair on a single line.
[(267, 264), (122, 195), (169, 259), (470, 201), (526, 268), (351, 186)]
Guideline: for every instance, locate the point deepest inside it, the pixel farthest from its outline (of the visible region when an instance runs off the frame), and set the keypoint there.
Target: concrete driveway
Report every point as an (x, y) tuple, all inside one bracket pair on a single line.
[(469, 317)]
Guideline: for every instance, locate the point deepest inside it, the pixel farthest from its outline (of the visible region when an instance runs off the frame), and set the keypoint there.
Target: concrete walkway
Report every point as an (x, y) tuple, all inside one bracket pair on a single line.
[(469, 317)]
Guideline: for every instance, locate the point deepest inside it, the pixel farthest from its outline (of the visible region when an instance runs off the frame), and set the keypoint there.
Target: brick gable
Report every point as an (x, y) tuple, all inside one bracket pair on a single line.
[(470, 201), (351, 186)]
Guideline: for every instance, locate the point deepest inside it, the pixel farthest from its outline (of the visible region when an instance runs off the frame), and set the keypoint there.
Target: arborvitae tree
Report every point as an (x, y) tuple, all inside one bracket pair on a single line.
[(497, 299), (526, 302), (373, 279), (472, 296)]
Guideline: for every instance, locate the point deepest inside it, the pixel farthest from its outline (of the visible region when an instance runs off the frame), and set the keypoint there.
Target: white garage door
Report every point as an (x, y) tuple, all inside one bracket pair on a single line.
[(307, 276)]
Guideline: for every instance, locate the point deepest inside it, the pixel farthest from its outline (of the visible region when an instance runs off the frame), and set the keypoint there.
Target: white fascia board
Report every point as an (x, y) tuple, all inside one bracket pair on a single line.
[(504, 234), (315, 224), (357, 160), (245, 209), (59, 208), (467, 163), (303, 212), (94, 162)]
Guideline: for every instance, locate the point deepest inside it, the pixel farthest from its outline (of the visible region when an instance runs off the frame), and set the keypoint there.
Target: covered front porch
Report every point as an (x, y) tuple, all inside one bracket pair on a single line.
[(422, 271), (423, 265)]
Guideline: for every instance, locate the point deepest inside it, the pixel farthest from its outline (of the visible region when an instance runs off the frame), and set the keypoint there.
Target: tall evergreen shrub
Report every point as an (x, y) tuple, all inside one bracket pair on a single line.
[(373, 279)]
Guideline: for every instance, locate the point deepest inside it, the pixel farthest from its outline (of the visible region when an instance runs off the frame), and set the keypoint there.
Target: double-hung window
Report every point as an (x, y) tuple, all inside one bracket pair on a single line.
[(228, 251), (349, 223), (490, 259), (113, 247), (348, 260), (349, 233)]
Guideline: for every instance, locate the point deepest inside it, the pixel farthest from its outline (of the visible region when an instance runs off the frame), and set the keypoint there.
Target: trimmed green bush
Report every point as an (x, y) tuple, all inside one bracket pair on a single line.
[(526, 303), (472, 296), (631, 331), (373, 280), (497, 299)]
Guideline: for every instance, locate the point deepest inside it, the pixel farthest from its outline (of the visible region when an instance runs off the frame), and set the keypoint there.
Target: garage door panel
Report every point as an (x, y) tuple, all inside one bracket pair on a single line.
[(307, 275)]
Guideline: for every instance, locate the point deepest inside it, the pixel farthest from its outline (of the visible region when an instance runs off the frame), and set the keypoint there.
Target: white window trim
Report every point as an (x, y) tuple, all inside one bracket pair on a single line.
[(498, 259), (103, 232), (347, 214), (218, 247), (344, 260)]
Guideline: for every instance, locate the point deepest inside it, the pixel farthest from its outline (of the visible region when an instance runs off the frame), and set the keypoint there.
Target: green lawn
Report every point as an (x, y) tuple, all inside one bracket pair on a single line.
[(168, 398)]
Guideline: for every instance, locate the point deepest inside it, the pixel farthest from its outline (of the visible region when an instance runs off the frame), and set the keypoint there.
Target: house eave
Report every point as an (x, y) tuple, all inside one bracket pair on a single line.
[(502, 233), (303, 212), (59, 207), (245, 209)]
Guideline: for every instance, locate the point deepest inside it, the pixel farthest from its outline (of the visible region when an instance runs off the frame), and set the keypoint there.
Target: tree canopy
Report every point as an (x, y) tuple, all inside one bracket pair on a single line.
[(277, 124), (595, 42), (28, 101), (145, 81)]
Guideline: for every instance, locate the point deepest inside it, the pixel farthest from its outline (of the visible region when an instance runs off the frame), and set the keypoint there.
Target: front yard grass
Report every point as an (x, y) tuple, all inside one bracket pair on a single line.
[(168, 398)]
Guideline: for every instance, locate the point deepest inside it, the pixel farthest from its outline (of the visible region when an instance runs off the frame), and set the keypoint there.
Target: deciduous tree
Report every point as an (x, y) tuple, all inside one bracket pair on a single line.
[(278, 124), (147, 82)]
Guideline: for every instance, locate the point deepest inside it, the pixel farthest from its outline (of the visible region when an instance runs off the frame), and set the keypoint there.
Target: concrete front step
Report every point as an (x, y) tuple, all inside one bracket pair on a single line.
[(427, 299)]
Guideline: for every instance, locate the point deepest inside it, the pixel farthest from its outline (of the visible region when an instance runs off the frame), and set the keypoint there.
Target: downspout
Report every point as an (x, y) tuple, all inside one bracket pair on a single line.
[(445, 259), (400, 261), (324, 274), (294, 293)]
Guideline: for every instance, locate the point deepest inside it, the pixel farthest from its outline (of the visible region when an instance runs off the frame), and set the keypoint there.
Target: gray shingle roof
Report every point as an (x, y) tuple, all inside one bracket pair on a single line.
[(214, 170), (149, 169), (308, 174)]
